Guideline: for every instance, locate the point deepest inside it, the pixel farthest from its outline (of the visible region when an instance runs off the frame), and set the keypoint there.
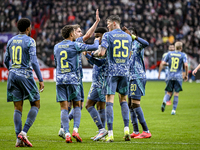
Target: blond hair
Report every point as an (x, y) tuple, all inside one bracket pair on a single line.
[(178, 45)]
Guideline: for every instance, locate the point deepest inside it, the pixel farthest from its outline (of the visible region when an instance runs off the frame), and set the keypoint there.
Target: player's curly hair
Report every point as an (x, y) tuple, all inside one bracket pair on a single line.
[(101, 30), (23, 24), (133, 30), (66, 30), (115, 18)]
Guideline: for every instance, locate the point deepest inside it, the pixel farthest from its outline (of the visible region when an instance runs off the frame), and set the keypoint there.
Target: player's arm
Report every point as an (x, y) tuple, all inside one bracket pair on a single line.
[(102, 52), (87, 47), (195, 70), (97, 62), (7, 60), (186, 71), (142, 41), (7, 57), (161, 67), (86, 55), (35, 64), (90, 32), (55, 56), (104, 45)]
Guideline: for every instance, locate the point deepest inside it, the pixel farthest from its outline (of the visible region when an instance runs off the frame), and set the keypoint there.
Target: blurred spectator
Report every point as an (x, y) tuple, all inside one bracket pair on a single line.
[(158, 22)]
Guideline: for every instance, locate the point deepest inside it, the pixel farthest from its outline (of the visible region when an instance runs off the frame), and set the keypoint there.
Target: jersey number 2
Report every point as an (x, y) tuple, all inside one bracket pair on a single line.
[(62, 60)]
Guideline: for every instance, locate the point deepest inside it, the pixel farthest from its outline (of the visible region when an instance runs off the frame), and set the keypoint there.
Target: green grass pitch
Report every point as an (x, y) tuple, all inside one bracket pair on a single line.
[(181, 131)]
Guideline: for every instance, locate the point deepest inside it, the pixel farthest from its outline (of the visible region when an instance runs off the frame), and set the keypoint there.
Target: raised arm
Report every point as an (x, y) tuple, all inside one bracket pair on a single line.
[(93, 28)]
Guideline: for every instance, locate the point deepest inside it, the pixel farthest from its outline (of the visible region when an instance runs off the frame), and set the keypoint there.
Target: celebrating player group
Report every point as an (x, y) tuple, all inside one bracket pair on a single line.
[(118, 66)]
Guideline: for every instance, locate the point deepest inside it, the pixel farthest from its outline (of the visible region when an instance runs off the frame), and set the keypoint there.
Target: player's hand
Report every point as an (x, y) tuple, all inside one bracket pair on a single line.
[(126, 30), (97, 38), (194, 72), (185, 78), (41, 86), (158, 76), (97, 15), (84, 53)]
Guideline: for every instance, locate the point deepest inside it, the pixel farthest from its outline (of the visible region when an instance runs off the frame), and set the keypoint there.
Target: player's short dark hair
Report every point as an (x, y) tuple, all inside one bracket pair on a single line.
[(101, 30), (76, 26), (66, 30), (23, 24), (114, 18), (132, 30)]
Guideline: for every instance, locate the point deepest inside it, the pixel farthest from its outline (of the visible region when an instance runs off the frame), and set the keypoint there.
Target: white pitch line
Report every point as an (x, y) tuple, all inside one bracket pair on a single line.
[(101, 142)]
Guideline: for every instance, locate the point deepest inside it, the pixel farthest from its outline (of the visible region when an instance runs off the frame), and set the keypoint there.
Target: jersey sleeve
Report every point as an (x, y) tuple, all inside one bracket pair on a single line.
[(166, 58), (185, 58), (54, 53), (163, 56), (86, 47), (32, 47), (33, 59), (7, 56), (98, 62), (142, 42), (80, 39), (104, 41)]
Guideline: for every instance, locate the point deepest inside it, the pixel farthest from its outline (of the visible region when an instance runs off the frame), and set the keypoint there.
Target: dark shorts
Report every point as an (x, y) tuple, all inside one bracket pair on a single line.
[(68, 92), (174, 85), (114, 84), (137, 88), (21, 88), (95, 94)]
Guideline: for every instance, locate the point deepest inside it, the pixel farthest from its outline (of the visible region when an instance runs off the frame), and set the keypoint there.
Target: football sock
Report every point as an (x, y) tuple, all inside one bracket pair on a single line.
[(109, 115), (169, 97), (71, 114), (69, 108), (18, 121), (65, 120), (175, 102), (77, 117), (110, 132), (166, 98), (30, 118), (134, 121), (141, 119), (125, 113), (102, 114), (95, 116)]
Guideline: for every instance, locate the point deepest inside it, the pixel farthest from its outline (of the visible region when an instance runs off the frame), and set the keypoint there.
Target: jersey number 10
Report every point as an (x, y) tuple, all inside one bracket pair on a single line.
[(17, 54)]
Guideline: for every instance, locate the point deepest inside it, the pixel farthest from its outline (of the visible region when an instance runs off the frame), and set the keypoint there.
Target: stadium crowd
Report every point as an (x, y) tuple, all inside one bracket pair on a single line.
[(160, 22)]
